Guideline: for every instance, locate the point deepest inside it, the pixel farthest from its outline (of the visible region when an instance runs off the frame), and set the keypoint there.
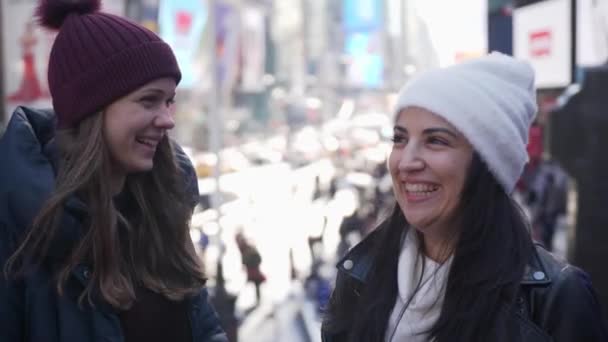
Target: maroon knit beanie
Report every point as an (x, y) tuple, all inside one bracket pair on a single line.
[(98, 58)]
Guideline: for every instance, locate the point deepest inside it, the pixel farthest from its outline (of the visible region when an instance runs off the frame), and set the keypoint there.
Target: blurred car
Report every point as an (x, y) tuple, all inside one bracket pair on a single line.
[(306, 146), (231, 160), (260, 153)]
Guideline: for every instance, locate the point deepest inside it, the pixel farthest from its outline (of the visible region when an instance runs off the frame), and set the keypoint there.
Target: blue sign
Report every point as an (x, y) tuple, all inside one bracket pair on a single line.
[(362, 15), (365, 63)]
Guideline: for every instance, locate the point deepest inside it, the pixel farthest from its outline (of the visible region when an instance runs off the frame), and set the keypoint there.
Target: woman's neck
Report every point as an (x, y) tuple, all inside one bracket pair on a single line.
[(117, 182), (437, 247)]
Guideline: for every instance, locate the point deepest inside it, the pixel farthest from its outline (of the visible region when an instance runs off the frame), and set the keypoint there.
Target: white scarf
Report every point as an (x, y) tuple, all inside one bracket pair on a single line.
[(425, 307)]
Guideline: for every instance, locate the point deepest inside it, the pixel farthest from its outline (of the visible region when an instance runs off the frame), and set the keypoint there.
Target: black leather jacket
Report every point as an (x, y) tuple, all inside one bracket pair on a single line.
[(558, 303)]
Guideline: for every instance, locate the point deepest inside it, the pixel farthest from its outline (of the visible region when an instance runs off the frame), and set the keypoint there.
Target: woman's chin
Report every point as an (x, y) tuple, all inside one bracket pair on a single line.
[(420, 222), (143, 165)]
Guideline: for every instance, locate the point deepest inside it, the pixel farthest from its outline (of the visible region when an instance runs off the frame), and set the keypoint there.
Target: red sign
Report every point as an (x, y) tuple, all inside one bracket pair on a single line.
[(183, 22), (540, 43)]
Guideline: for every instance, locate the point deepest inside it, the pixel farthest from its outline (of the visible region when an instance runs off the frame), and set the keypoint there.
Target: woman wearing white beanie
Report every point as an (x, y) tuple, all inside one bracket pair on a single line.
[(455, 261)]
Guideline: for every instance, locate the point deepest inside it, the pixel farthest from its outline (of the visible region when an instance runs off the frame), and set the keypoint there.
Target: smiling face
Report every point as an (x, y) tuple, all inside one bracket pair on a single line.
[(135, 124), (428, 163)]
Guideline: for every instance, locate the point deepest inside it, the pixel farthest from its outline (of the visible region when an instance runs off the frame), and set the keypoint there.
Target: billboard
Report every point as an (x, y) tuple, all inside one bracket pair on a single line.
[(365, 64), (363, 43), (542, 35), (362, 15), (181, 25)]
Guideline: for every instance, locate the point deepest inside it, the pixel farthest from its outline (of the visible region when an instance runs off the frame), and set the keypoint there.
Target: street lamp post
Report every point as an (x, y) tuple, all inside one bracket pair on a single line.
[(214, 114), (223, 301)]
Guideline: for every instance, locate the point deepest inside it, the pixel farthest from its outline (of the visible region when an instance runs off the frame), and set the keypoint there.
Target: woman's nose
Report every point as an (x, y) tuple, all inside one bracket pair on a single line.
[(411, 159), (165, 120)]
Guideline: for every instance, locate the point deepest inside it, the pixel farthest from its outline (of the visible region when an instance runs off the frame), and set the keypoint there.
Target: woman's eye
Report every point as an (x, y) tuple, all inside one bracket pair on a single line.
[(170, 101), (437, 141), (148, 101), (398, 139)]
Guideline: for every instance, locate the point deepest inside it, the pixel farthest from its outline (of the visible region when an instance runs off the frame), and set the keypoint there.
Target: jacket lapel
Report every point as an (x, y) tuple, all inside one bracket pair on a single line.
[(536, 272)]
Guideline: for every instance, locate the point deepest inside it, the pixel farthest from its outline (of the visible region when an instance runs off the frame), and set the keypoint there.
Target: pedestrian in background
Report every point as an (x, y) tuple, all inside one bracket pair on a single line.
[(543, 188), (455, 261), (252, 260), (95, 199)]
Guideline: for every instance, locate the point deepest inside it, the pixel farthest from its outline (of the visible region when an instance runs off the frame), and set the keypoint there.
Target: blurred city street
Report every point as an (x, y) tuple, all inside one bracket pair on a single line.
[(282, 321)]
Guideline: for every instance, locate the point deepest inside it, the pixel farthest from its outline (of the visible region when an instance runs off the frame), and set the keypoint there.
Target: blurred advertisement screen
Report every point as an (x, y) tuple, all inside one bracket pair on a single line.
[(181, 25), (362, 15), (363, 27), (365, 64), (542, 35), (26, 48)]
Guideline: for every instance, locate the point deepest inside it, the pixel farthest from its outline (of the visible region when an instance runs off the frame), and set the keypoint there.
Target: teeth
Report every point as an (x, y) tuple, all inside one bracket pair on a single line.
[(424, 188), (146, 142)]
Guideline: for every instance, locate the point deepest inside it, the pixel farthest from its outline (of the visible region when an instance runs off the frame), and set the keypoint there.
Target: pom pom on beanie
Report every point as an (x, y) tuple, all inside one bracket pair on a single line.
[(52, 13)]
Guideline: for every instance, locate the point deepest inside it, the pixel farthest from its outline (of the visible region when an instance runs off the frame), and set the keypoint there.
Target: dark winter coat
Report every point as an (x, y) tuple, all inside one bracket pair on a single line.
[(30, 308), (558, 303)]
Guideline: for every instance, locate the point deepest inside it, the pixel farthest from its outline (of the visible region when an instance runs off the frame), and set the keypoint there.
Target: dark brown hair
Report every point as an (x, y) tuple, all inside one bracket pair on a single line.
[(148, 245)]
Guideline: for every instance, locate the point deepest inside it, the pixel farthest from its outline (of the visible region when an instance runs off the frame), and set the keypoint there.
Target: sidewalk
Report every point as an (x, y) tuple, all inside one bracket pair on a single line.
[(277, 322), (311, 321)]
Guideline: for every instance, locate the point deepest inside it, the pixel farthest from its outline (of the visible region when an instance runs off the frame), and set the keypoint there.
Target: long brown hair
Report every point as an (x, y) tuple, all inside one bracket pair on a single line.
[(148, 245)]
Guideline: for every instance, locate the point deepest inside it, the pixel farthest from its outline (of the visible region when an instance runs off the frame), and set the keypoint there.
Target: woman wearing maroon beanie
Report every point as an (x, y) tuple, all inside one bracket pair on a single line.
[(95, 199)]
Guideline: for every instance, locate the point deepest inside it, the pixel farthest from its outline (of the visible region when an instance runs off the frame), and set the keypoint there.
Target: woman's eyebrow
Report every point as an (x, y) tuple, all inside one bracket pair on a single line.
[(400, 129), (429, 131), (153, 91)]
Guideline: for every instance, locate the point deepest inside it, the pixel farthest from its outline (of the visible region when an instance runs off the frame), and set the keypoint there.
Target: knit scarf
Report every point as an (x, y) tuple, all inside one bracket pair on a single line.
[(411, 322)]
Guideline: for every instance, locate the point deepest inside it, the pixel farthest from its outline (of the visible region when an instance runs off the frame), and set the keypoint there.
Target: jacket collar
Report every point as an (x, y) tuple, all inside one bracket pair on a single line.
[(29, 180), (536, 272), (358, 262)]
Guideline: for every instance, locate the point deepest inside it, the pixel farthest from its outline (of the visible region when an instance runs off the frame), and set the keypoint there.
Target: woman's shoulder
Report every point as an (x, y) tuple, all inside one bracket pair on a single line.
[(26, 175), (358, 261), (558, 271), (207, 323), (568, 304), (562, 277)]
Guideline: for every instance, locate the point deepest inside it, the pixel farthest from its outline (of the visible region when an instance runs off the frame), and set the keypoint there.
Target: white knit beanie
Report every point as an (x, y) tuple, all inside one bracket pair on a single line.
[(491, 100)]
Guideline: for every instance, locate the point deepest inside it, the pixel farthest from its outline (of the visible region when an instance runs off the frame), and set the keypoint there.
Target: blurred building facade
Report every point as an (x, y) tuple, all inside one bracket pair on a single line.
[(253, 56)]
